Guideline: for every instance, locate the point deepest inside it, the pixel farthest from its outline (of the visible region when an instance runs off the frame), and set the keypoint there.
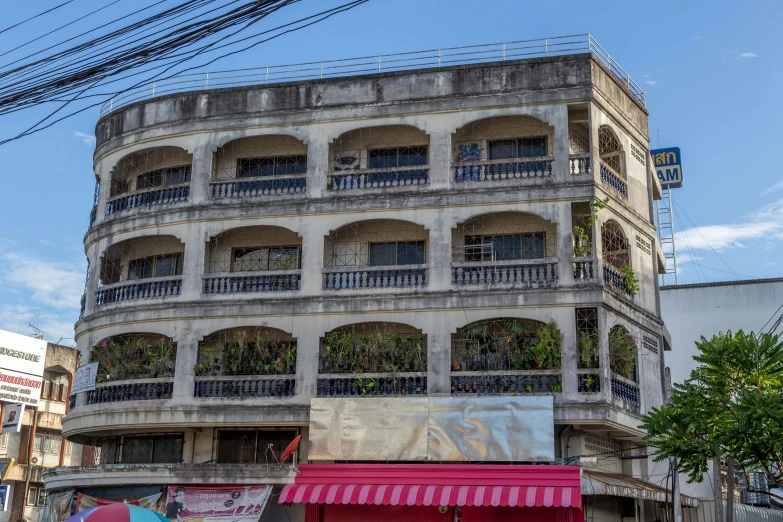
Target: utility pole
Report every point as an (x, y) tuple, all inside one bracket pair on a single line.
[(730, 491), (676, 506), (717, 486)]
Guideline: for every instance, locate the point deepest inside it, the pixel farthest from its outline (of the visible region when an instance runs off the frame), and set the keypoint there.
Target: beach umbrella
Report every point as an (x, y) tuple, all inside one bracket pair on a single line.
[(119, 512)]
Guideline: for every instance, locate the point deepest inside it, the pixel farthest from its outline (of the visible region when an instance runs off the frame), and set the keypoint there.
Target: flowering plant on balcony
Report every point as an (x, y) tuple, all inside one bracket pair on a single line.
[(134, 357), (251, 351), (588, 349), (507, 344), (345, 351)]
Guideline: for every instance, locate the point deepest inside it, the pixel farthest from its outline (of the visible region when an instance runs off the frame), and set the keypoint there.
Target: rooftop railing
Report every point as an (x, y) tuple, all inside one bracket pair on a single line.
[(450, 56)]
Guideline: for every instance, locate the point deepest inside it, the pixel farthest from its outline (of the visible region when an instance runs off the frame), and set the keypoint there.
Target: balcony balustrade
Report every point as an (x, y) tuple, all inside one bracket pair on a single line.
[(71, 402), (244, 387), (583, 269), (372, 384), (131, 391), (507, 382), (579, 164), (269, 281), (588, 382), (378, 178), (504, 272), (138, 290), (402, 276), (148, 198), (614, 180), (93, 214), (615, 280), (83, 305), (499, 170), (626, 391), (239, 188)]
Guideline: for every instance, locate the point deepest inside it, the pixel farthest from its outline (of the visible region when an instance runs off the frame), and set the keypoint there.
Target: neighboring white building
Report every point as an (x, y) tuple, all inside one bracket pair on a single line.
[(702, 310)]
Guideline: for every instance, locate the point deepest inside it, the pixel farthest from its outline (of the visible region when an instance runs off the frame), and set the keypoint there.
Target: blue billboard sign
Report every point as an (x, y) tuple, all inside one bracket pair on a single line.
[(668, 166), (4, 498)]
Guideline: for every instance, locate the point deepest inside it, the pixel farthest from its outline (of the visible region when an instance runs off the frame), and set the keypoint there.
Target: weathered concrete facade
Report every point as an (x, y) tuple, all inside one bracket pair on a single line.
[(332, 216)]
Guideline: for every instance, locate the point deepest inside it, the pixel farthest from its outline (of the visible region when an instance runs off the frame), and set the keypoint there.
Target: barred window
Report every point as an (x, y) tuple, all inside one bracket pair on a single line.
[(397, 253), (533, 147), (161, 177), (271, 166), (141, 449), (256, 259), (505, 247), (155, 266), (396, 157)]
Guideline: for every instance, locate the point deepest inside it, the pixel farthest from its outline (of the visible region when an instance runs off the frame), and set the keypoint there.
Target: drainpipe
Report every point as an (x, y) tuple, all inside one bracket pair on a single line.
[(63, 442), (30, 444)]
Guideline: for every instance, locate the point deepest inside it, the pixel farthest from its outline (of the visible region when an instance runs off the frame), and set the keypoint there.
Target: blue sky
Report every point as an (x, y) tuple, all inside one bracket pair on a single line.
[(710, 71)]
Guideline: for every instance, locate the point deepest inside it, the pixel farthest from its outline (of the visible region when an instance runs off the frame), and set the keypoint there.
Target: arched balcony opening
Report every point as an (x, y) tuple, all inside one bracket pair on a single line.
[(616, 253), (578, 139), (150, 177), (246, 362), (379, 157), (259, 166), (612, 158), (373, 359), (253, 259), (141, 268), (133, 367), (623, 353), (588, 350), (502, 148), (504, 248), (378, 253), (506, 355)]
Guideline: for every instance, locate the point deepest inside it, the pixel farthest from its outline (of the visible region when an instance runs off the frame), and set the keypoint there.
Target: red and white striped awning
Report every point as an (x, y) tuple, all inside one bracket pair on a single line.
[(436, 485), (430, 495)]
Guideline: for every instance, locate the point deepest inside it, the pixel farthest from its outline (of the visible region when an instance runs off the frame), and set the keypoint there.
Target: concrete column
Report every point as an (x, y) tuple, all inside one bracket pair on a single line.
[(559, 120), (438, 358), (566, 321), (103, 194), (184, 367), (92, 278), (565, 243), (594, 161), (307, 347), (312, 259), (440, 159), (317, 162), (604, 325), (201, 170), (439, 256), (195, 239)]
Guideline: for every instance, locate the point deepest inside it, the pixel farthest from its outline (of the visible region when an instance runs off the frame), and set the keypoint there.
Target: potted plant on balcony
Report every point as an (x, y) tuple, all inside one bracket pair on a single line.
[(622, 352), (588, 349)]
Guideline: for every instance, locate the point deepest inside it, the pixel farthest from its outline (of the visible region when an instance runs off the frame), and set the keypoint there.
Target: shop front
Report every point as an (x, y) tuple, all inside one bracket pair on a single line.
[(437, 492)]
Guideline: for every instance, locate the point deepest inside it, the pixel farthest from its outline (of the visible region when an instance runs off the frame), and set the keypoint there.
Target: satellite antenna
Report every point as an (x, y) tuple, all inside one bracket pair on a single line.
[(39, 334), (286, 452)]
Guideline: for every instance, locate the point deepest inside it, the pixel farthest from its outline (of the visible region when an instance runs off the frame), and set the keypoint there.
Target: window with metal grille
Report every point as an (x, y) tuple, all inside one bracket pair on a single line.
[(397, 253), (252, 446), (36, 496), (4, 440), (141, 449), (517, 148), (271, 166), (610, 150), (156, 266), (614, 245), (587, 331), (505, 247), (396, 157), (161, 177), (47, 443), (256, 259)]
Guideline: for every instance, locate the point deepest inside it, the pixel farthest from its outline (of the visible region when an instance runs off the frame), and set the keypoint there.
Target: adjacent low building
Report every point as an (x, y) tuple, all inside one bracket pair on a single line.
[(414, 271)]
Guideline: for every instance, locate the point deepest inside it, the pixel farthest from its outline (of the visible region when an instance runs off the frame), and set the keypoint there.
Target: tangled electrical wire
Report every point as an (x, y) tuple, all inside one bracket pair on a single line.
[(153, 47)]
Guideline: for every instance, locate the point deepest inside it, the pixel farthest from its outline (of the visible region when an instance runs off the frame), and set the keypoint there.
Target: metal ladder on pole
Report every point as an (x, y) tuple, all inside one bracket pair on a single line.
[(665, 211)]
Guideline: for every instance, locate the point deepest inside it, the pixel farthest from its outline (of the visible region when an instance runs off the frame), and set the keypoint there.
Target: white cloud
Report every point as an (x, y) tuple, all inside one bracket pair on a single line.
[(651, 82), (766, 224), (774, 188), (687, 258), (770, 263), (745, 56), (87, 139), (696, 37)]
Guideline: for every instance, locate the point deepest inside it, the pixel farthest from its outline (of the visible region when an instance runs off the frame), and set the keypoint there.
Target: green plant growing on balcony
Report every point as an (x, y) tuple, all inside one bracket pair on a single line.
[(133, 357), (631, 283), (378, 351), (582, 243), (237, 352), (545, 354), (622, 352), (588, 349), (590, 383)]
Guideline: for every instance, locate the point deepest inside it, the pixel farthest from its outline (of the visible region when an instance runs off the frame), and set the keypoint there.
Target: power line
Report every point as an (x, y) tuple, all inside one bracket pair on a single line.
[(690, 248), (35, 16), (705, 239)]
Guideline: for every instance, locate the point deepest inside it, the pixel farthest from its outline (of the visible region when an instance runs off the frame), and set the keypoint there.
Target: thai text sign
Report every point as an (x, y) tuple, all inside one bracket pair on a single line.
[(22, 362), (221, 503), (84, 378), (668, 166), (6, 463)]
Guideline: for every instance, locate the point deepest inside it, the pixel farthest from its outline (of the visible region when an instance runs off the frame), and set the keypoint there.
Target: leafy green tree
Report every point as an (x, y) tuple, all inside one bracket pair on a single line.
[(732, 405)]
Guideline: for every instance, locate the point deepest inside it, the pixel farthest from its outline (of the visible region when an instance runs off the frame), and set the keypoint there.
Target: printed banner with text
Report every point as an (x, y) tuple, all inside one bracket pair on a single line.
[(153, 502), (216, 504)]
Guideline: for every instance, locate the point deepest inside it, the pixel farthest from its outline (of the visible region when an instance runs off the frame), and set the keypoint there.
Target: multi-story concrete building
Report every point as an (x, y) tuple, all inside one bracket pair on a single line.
[(369, 245), (39, 444)]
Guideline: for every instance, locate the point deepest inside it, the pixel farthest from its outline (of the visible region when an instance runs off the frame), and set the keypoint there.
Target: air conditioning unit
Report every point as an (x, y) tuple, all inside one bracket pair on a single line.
[(35, 460)]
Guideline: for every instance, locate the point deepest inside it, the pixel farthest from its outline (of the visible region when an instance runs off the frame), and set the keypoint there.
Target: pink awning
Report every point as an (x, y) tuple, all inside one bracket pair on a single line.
[(436, 485)]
